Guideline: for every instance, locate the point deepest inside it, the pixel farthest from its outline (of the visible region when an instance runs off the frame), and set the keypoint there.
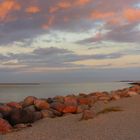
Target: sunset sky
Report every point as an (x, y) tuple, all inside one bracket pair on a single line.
[(69, 40)]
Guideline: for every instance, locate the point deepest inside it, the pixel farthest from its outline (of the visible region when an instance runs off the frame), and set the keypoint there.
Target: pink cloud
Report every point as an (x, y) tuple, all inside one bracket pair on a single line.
[(132, 14), (33, 9), (6, 7)]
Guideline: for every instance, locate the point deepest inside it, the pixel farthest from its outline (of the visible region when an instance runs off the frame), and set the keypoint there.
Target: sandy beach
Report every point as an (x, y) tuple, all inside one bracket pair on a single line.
[(122, 125)]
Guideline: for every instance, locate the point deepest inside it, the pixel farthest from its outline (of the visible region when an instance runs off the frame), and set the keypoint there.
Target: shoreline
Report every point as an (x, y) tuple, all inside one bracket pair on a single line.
[(19, 115), (18, 84), (18, 93)]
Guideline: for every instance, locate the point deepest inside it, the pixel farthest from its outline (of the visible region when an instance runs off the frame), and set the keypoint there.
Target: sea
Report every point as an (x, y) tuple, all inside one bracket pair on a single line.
[(17, 92)]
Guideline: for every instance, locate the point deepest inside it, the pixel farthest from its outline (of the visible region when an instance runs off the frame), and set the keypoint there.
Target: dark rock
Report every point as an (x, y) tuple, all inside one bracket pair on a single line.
[(21, 116), (5, 110), (50, 100), (37, 116)]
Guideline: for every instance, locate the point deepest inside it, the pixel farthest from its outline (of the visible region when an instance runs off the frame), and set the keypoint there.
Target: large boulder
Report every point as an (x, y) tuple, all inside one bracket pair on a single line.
[(20, 116), (41, 104), (88, 114), (37, 116), (14, 105), (5, 127), (29, 101)]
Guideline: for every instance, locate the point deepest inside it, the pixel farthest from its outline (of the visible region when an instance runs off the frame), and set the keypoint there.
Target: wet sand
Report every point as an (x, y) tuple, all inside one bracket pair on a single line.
[(123, 125)]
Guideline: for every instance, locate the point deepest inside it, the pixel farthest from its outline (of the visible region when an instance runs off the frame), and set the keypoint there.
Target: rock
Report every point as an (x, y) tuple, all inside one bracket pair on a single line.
[(37, 116), (69, 108), (47, 114), (5, 127), (58, 106), (20, 116), (132, 93), (5, 110), (14, 105), (88, 114), (41, 104), (81, 108), (98, 94), (30, 108), (84, 100), (70, 100), (29, 101)]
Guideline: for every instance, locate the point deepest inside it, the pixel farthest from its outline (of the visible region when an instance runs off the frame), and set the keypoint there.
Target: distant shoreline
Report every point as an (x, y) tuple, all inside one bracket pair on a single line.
[(18, 84)]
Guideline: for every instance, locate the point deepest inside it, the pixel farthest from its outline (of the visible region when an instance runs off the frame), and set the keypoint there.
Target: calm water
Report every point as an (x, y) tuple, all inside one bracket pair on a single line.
[(19, 92)]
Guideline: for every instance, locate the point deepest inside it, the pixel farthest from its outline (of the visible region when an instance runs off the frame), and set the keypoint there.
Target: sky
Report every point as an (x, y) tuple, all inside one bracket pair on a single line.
[(69, 40)]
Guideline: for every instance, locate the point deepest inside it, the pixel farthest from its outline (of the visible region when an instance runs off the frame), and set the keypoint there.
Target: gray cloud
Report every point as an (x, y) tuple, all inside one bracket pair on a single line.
[(121, 33), (51, 58)]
